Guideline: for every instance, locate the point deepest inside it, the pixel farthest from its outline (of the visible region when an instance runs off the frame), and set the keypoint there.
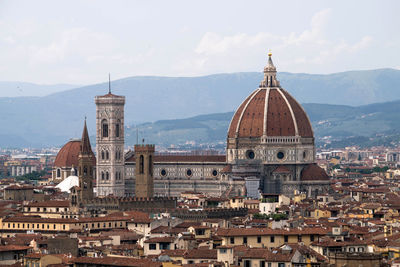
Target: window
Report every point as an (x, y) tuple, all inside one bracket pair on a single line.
[(214, 173), (272, 239), (104, 126), (232, 240), (163, 172), (150, 165), (247, 263), (244, 240), (107, 176), (312, 238), (222, 250), (189, 172), (85, 170), (250, 154), (102, 154), (58, 173), (107, 155), (262, 263), (286, 238), (269, 264), (164, 246), (102, 175), (152, 246), (299, 238), (280, 155), (117, 130), (141, 164), (281, 264), (258, 239)]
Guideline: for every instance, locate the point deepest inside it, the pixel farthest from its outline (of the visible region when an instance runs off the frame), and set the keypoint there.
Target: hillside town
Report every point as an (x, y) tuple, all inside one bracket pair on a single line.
[(271, 199)]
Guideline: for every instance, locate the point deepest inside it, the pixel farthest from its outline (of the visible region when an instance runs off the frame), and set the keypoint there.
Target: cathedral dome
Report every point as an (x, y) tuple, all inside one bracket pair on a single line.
[(270, 111), (68, 154)]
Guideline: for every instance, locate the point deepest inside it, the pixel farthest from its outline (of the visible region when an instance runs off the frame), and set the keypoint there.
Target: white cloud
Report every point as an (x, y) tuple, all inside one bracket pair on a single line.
[(311, 46), (73, 43)]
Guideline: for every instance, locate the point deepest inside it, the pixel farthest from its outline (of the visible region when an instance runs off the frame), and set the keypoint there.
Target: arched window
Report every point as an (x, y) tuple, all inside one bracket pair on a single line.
[(150, 165), (85, 170), (102, 154), (117, 129), (58, 173), (104, 127), (107, 155), (76, 172), (102, 175), (107, 176), (141, 164)]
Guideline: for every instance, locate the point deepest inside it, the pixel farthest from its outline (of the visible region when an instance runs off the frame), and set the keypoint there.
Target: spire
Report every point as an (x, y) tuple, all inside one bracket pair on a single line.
[(270, 74), (109, 83), (85, 142)]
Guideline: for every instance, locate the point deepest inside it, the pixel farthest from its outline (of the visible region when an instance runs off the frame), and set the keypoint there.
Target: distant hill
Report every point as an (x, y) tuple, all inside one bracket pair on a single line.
[(53, 119), (18, 89), (373, 124)]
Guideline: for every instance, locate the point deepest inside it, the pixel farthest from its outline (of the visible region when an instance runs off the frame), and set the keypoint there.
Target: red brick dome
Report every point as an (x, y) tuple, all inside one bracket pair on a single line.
[(68, 154), (270, 111)]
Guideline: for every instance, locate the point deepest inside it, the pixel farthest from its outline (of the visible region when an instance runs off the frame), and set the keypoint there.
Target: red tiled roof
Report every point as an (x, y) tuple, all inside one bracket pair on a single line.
[(281, 169), (249, 119), (264, 231), (49, 203), (118, 261), (13, 248), (185, 158), (201, 254), (68, 155), (313, 172)]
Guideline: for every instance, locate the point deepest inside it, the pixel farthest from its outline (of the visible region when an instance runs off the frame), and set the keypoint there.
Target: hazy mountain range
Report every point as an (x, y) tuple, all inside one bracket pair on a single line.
[(345, 124), (53, 119), (18, 89)]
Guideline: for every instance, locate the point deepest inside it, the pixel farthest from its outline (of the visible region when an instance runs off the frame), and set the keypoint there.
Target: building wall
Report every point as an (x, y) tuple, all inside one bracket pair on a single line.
[(110, 148)]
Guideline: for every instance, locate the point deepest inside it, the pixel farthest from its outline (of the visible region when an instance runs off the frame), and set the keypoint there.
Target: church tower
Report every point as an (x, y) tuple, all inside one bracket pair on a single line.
[(144, 155), (110, 144), (87, 163)]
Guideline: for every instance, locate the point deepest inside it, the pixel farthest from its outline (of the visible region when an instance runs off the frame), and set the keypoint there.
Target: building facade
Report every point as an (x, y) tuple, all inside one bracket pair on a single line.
[(110, 145), (270, 148)]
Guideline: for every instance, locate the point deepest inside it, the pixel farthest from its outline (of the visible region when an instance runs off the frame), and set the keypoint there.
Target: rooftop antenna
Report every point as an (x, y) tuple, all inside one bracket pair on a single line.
[(109, 83)]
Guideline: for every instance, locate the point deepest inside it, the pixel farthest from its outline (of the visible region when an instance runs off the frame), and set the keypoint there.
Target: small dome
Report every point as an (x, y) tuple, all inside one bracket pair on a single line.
[(313, 172), (68, 183), (68, 154)]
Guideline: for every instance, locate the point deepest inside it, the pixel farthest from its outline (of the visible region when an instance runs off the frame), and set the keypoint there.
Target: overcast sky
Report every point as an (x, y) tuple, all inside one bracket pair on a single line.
[(80, 42)]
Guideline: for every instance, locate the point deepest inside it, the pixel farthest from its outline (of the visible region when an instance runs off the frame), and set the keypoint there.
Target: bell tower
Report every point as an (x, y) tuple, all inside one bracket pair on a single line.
[(87, 163), (144, 180), (110, 144)]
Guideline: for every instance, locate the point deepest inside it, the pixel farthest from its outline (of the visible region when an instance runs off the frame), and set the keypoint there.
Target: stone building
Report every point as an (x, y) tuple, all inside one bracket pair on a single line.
[(66, 160), (270, 145), (271, 136), (110, 144), (144, 181)]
